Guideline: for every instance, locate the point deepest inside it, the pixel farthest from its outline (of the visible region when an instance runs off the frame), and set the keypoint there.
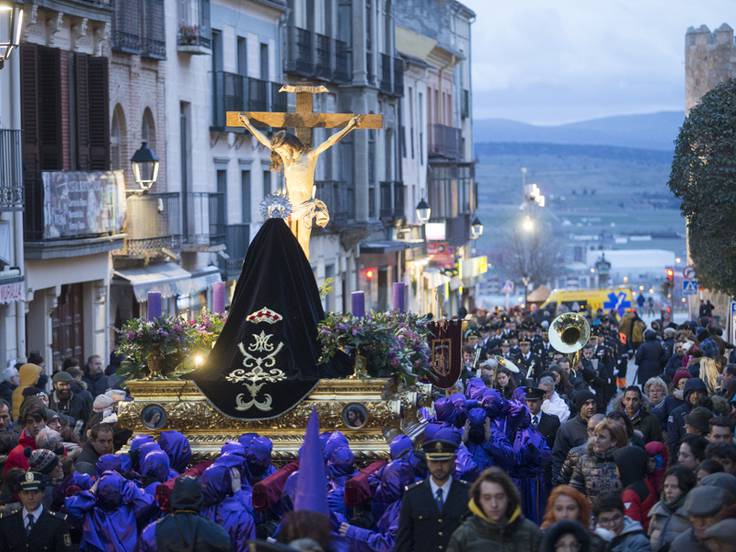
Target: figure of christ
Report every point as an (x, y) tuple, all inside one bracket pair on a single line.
[(299, 164)]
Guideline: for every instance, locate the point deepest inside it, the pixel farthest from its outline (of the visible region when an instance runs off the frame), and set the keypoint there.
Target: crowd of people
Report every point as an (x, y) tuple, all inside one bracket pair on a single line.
[(627, 447)]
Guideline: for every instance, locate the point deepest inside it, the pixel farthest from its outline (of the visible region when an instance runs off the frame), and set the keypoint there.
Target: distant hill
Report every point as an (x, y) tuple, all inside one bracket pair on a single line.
[(533, 149), (654, 131)]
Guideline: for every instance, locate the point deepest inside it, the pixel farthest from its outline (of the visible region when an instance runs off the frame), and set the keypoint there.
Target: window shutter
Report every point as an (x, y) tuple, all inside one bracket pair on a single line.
[(99, 120), (29, 109), (49, 108), (82, 111)]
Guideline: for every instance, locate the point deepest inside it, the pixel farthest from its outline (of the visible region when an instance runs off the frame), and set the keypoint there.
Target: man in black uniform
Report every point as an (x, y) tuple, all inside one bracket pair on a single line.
[(33, 528), (546, 424), (432, 509)]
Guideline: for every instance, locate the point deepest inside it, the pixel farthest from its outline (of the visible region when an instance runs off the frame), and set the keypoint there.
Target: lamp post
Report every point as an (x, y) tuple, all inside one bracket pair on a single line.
[(424, 211), (145, 167), (11, 24)]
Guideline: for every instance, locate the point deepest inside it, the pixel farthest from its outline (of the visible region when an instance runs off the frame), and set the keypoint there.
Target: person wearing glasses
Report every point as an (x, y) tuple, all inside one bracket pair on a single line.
[(622, 533)]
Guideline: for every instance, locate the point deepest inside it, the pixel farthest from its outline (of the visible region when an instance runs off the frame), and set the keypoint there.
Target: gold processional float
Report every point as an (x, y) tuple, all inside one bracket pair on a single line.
[(370, 411)]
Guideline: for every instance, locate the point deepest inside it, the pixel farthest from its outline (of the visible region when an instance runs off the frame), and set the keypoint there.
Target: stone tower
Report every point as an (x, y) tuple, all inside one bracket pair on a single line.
[(710, 59)]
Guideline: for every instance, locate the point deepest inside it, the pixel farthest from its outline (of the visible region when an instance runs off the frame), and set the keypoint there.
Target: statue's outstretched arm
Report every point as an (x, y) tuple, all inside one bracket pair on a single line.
[(254, 131), (339, 135)]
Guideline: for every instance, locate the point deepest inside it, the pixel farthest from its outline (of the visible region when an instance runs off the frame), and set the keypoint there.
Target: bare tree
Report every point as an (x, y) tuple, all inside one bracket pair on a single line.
[(532, 256)]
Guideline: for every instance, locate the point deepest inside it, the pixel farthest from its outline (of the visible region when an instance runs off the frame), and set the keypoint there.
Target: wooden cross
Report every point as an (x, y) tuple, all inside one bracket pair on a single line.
[(304, 119)]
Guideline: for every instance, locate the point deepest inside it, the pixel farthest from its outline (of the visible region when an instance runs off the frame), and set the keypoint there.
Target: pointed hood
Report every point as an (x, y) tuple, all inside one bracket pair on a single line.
[(265, 360), (177, 447), (311, 485)]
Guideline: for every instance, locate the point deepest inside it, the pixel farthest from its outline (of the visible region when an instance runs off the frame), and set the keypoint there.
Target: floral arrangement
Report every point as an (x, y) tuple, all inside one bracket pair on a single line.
[(393, 344), (188, 34), (166, 346)]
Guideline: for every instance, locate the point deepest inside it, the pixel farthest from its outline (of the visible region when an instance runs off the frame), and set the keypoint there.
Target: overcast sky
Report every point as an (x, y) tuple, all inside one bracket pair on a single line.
[(555, 61)]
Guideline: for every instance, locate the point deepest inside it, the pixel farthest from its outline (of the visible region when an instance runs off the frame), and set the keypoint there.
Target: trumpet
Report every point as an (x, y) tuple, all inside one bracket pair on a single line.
[(568, 334)]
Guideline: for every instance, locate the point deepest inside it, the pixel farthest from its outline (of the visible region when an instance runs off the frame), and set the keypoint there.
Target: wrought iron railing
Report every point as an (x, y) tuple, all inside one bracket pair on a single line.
[(444, 141), (385, 82), (237, 239), (279, 100), (206, 212), (370, 76), (398, 76), (194, 31), (299, 52), (339, 198), (392, 200), (153, 224), (342, 62), (234, 92), (258, 92), (11, 171), (323, 58)]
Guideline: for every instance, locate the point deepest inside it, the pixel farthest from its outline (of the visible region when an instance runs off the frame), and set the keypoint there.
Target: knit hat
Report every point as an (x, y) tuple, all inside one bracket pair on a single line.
[(62, 376), (43, 461), (694, 384), (102, 402), (680, 374), (581, 397), (699, 418)]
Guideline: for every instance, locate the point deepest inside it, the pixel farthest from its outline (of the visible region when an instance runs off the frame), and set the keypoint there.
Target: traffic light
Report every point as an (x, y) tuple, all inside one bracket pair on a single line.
[(670, 273)]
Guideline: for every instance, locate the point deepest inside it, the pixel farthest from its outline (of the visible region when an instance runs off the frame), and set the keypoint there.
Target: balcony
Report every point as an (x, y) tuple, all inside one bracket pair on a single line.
[(370, 76), (340, 200), (68, 214), (444, 141), (323, 67), (343, 72), (234, 92), (392, 200), (153, 226), (299, 52), (195, 34), (204, 224), (465, 104), (237, 239), (11, 171), (138, 28)]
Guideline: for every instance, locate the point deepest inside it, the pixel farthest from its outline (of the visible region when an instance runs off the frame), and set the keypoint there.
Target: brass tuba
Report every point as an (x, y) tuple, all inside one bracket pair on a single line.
[(568, 334)]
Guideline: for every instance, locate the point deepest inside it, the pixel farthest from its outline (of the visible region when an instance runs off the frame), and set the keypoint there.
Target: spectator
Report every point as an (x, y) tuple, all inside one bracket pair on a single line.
[(656, 391), (78, 385), (497, 521), (703, 506), (567, 535), (692, 451), (6, 424), (724, 454), (638, 495), (697, 422), (553, 404), (668, 518), (720, 430), (9, 380), (573, 432), (566, 504), (64, 401), (28, 376), (639, 416), (33, 418), (694, 393), (650, 358), (597, 472), (573, 457), (94, 376), (622, 533), (99, 442), (706, 468)]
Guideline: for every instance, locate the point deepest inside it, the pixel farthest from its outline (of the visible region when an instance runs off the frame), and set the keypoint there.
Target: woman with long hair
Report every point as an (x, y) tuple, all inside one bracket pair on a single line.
[(505, 382), (566, 503), (668, 517)]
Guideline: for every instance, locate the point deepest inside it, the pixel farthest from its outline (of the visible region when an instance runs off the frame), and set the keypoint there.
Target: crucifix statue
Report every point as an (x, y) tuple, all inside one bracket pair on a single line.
[(294, 152)]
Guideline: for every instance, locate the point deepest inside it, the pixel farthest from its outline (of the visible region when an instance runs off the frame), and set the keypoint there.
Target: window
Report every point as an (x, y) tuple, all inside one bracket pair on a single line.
[(148, 129), (411, 120), (264, 62), (217, 63), (371, 174), (242, 56), (266, 183), (245, 195), (117, 139)]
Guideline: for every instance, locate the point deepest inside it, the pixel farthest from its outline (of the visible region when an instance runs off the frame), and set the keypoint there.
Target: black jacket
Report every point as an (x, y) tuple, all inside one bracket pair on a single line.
[(6, 391), (75, 407), (650, 358), (51, 533), (96, 385), (88, 454), (190, 532), (572, 433), (548, 426), (648, 424), (421, 526)]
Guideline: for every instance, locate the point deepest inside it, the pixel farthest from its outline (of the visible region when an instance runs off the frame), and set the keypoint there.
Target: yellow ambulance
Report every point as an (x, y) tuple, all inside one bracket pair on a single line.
[(619, 299)]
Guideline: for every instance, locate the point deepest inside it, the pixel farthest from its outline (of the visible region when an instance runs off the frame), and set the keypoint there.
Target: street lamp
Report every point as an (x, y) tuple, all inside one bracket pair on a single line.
[(476, 228), (145, 167), (527, 224), (423, 212), (11, 22)]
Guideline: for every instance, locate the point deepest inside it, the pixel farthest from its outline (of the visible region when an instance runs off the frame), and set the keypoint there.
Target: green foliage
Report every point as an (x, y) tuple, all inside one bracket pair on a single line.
[(704, 177)]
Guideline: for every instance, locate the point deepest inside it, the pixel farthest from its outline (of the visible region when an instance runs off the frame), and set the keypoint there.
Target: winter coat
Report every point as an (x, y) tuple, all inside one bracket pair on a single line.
[(28, 375), (479, 534), (6, 391), (676, 419), (596, 474), (666, 523), (556, 406), (631, 539), (568, 466), (16, 457), (650, 358), (686, 542), (572, 433), (648, 424), (96, 385), (663, 410), (76, 406)]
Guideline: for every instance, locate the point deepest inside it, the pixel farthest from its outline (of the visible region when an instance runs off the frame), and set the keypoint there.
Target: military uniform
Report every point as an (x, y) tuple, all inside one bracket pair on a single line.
[(423, 525), (49, 533)]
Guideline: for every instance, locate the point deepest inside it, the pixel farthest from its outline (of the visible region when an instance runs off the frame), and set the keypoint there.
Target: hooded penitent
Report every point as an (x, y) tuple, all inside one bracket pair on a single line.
[(224, 507), (177, 447), (311, 481), (265, 360)]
